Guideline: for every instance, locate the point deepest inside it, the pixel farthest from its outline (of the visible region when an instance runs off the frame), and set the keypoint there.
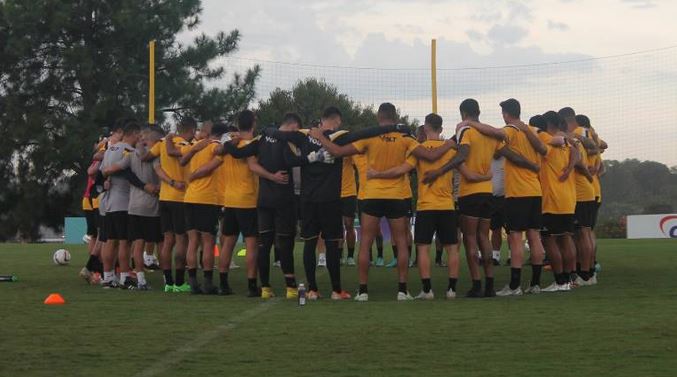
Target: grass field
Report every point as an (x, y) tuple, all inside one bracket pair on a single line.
[(625, 326)]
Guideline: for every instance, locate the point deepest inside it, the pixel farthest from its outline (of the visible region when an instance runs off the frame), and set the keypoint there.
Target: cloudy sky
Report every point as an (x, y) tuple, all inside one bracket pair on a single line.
[(477, 40)]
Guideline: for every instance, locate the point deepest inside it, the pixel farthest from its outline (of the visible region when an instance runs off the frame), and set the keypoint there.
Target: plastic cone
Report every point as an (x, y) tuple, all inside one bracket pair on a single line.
[(54, 299), (216, 250)]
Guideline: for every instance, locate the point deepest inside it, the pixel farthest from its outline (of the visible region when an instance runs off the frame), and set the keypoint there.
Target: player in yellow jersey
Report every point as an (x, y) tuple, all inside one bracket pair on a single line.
[(585, 200), (172, 216), (385, 197), (240, 192), (202, 207), (559, 202), (435, 209), (596, 168), (475, 198)]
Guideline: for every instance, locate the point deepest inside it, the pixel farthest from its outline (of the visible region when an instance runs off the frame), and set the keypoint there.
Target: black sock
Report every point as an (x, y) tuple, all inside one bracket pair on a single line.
[(179, 277), (192, 277), (379, 252), (489, 284), (223, 280), (168, 277), (351, 252), (208, 277), (592, 271), (379, 246), (91, 262), (290, 281), (515, 277), (251, 284), (363, 289), (477, 285), (426, 285), (438, 256), (452, 284), (334, 265), (566, 276), (286, 244), (402, 287), (263, 258), (395, 253), (536, 274), (584, 275), (310, 263)]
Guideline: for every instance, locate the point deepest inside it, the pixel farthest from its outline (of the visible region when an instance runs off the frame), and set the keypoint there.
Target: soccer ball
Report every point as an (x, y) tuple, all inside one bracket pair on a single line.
[(61, 257)]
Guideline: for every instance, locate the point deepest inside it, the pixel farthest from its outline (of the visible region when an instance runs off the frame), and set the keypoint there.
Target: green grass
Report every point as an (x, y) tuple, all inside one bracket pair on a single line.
[(625, 326)]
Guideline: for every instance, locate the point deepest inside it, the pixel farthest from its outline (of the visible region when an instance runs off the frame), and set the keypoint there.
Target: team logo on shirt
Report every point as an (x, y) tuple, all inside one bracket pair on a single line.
[(668, 225), (271, 139), (387, 139)]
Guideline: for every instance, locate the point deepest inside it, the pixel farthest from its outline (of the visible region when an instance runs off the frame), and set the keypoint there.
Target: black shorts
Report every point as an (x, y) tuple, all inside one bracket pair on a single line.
[(585, 214), (348, 206), (523, 213), (281, 220), (498, 216), (476, 205), (389, 208), (145, 228), (239, 220), (557, 225), (202, 217), (598, 204), (92, 218), (172, 217), (115, 224), (322, 218), (103, 236), (442, 223)]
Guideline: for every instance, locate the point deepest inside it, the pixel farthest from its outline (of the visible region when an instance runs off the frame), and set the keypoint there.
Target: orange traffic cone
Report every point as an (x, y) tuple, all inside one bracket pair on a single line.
[(54, 299), (216, 250)]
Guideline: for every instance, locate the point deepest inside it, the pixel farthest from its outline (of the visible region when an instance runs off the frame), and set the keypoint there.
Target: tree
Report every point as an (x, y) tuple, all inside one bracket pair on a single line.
[(68, 68), (309, 97)]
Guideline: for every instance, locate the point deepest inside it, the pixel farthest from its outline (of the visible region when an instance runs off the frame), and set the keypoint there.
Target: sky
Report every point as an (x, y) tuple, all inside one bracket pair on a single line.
[(489, 50)]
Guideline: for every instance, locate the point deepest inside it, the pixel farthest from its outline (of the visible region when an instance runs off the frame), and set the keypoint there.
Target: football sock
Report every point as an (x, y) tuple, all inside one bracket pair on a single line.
[(515, 277), (452, 284), (536, 274), (379, 246), (496, 254), (477, 285), (489, 284), (402, 287), (310, 263), (290, 281), (351, 252), (223, 280), (123, 277), (263, 257), (334, 265), (180, 278), (426, 285), (251, 284), (363, 289), (168, 277)]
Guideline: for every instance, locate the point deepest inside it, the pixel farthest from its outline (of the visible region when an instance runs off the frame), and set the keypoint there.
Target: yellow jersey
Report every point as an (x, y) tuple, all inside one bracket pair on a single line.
[(558, 197), (482, 150), (437, 196), (239, 187), (382, 153), (585, 191), (172, 167), (348, 184), (204, 190), (360, 162), (521, 182)]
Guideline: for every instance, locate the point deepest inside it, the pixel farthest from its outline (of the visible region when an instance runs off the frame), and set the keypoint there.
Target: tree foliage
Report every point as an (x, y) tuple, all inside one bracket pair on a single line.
[(309, 97), (71, 67)]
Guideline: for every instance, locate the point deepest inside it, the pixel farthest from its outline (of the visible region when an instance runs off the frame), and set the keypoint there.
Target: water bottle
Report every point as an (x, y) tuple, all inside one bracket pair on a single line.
[(302, 294)]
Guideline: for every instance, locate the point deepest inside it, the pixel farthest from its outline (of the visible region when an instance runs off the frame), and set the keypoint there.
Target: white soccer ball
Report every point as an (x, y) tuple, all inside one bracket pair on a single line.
[(61, 257)]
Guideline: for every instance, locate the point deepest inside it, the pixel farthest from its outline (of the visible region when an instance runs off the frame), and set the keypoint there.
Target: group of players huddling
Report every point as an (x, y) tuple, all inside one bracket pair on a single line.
[(181, 190)]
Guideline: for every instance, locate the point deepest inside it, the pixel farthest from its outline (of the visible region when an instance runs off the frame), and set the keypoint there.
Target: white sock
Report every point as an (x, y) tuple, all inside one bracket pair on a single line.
[(141, 278), (496, 254), (108, 276), (123, 277), (147, 258)]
